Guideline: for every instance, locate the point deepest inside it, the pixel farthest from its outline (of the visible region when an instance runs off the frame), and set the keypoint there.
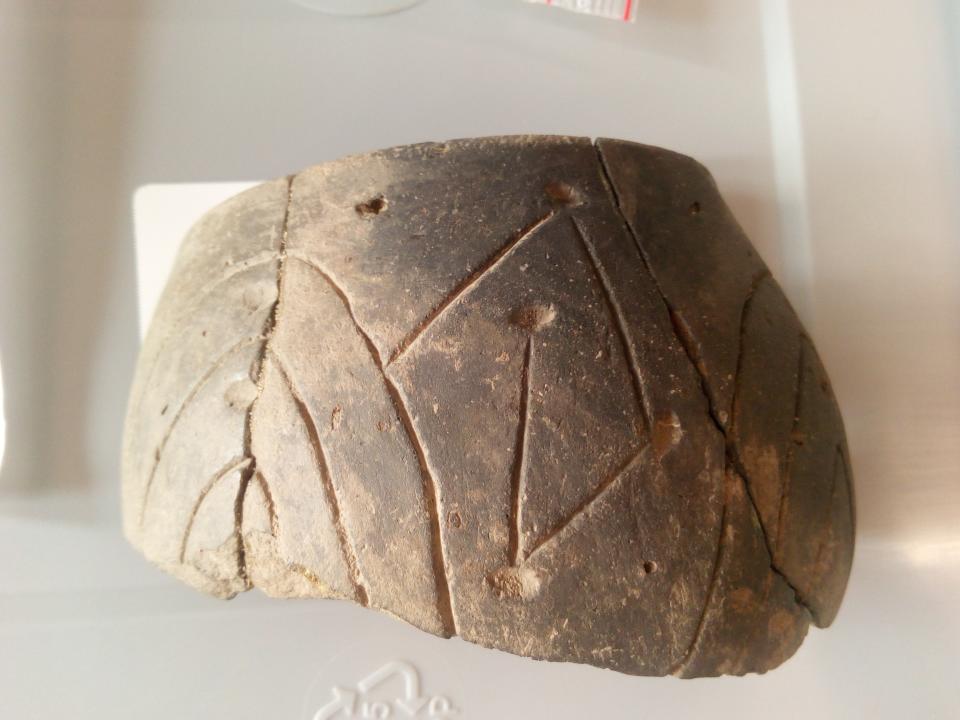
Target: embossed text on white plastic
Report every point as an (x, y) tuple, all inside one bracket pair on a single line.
[(392, 691)]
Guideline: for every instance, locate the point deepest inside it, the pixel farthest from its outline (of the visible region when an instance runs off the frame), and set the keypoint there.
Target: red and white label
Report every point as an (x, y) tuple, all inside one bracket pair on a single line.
[(613, 9)]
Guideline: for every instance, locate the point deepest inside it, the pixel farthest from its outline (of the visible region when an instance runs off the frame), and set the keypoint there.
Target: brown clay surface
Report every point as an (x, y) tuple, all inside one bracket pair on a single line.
[(534, 391)]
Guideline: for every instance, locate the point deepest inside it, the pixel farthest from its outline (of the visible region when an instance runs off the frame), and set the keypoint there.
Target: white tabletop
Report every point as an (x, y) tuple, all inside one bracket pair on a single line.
[(833, 132)]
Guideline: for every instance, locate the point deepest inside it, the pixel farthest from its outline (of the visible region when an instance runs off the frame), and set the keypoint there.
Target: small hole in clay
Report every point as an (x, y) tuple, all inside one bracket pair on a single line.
[(561, 193), (695, 208), (165, 408), (649, 567), (241, 394), (515, 583), (533, 317), (373, 206), (454, 519)]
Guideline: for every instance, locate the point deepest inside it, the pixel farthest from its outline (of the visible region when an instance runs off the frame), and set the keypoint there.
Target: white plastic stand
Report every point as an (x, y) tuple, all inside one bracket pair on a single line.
[(832, 129)]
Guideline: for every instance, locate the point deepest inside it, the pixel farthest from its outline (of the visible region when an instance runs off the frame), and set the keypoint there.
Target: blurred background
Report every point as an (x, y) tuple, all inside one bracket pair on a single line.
[(833, 130)]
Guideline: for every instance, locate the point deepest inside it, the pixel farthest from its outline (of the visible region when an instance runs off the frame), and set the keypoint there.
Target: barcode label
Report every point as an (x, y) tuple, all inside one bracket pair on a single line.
[(614, 9)]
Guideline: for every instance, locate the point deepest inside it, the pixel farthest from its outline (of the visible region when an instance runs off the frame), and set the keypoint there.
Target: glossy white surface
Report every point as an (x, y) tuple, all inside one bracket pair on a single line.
[(358, 7), (832, 129)]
